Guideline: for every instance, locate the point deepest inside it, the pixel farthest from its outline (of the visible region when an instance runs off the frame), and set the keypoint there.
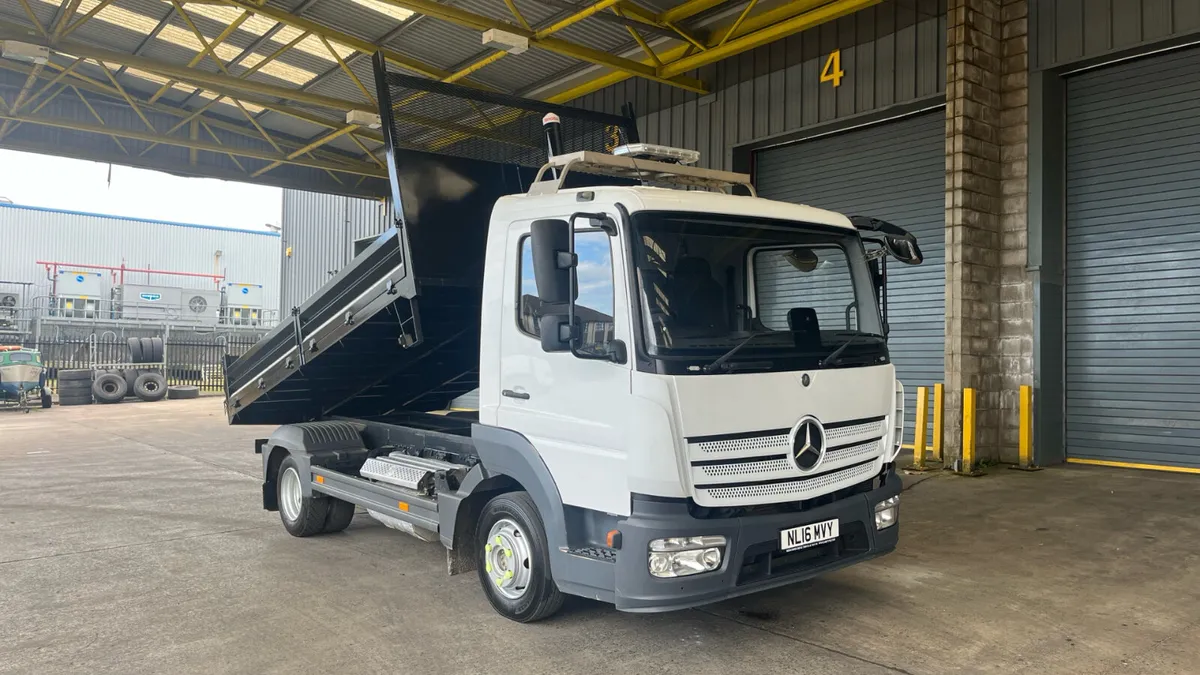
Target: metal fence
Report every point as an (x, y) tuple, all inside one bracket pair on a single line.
[(196, 360)]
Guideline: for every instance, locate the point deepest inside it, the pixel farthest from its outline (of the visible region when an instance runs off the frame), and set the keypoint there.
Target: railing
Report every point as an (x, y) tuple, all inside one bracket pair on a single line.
[(21, 319), (189, 360)]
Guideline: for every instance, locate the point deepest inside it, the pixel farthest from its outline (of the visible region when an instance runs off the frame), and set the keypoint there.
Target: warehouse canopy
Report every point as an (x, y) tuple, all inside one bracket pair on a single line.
[(259, 90)]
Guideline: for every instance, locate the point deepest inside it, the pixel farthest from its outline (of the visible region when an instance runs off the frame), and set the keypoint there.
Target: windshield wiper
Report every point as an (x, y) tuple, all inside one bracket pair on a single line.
[(725, 357), (873, 337)]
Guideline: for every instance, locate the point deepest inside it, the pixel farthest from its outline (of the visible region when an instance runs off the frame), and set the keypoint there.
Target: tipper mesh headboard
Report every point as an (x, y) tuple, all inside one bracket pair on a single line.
[(451, 119)]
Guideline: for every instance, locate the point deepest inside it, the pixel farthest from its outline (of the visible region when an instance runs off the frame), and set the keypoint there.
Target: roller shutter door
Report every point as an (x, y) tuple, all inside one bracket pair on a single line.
[(894, 171), (1133, 278)]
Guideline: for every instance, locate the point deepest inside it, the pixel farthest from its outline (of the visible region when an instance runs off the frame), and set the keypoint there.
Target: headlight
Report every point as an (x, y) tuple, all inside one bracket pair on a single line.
[(886, 512), (685, 556)]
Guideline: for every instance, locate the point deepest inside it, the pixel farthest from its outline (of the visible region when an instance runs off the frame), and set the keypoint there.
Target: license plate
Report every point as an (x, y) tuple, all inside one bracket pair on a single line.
[(796, 538)]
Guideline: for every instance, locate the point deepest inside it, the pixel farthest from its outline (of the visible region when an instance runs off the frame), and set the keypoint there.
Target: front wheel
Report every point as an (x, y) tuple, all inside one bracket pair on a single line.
[(514, 559)]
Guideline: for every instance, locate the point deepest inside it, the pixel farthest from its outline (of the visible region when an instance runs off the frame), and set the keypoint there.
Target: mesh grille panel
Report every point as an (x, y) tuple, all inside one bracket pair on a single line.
[(797, 489), (451, 119), (740, 444)]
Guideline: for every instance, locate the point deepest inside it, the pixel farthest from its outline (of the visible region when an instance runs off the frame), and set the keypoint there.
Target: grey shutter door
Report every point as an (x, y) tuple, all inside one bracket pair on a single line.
[(1133, 278), (894, 171)]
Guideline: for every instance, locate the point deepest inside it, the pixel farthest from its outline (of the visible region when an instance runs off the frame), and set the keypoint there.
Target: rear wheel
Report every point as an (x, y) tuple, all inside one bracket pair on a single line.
[(302, 516), (514, 559), (339, 516)]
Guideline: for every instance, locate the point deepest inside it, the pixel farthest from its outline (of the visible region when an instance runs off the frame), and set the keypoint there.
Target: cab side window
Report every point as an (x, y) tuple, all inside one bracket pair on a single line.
[(594, 297)]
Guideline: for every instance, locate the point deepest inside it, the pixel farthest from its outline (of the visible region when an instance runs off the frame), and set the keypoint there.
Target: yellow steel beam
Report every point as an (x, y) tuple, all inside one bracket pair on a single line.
[(57, 78), (208, 48), (687, 10), (738, 24), (33, 17), (24, 91), (95, 86), (308, 25), (641, 42), (360, 168), (87, 17), (512, 7), (542, 40), (125, 95), (311, 146), (751, 24), (216, 140), (766, 35), (367, 151), (67, 10), (346, 69), (213, 81), (98, 118), (170, 166)]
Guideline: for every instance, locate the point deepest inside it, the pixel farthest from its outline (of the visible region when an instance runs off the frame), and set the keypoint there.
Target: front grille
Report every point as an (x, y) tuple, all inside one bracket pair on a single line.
[(803, 488), (758, 468)]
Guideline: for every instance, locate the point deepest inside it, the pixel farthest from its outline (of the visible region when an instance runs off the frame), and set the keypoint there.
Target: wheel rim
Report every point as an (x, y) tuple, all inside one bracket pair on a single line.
[(507, 559), (290, 494)]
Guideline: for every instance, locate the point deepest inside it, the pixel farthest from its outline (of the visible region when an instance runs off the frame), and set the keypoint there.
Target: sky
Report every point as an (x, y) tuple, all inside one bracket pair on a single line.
[(78, 185)]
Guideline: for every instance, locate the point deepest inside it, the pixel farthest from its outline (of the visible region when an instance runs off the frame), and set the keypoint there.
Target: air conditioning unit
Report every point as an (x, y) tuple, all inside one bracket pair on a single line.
[(203, 307), (9, 302)]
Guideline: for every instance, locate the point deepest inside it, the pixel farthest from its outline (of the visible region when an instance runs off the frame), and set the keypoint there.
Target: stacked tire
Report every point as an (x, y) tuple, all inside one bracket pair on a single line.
[(146, 384), (75, 387), (145, 350)]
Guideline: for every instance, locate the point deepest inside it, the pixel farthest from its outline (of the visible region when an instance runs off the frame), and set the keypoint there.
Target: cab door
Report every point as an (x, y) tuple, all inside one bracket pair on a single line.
[(573, 410)]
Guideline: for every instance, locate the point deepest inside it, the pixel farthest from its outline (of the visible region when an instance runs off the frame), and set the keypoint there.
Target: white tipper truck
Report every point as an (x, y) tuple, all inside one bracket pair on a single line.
[(683, 395)]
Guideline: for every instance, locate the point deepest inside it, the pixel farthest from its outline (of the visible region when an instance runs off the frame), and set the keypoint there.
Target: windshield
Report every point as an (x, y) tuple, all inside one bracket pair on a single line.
[(790, 294)]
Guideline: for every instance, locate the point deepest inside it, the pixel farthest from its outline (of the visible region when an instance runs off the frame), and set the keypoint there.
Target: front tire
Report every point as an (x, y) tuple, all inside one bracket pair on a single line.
[(302, 516), (514, 559)]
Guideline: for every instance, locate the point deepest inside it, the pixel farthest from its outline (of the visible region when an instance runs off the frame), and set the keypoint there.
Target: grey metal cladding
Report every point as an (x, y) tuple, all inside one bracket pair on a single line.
[(320, 230), (1133, 286), (894, 171), (892, 53), (1065, 31)]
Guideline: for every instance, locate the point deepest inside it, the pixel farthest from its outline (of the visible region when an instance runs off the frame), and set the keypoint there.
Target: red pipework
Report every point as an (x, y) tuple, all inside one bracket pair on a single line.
[(217, 278)]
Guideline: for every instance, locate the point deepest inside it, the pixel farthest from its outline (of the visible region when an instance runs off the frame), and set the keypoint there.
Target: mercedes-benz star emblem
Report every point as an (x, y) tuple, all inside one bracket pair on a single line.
[(808, 444)]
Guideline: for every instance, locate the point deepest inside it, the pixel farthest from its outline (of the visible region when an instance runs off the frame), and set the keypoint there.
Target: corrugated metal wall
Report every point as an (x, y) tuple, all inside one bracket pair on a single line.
[(1064, 31), (1133, 287), (892, 53), (31, 234), (320, 230)]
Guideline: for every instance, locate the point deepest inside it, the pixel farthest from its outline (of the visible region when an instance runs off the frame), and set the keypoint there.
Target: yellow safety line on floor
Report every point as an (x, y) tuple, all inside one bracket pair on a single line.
[(1133, 465)]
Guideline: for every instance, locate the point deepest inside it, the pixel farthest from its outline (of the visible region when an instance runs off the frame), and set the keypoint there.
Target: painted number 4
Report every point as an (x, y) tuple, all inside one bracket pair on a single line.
[(832, 72)]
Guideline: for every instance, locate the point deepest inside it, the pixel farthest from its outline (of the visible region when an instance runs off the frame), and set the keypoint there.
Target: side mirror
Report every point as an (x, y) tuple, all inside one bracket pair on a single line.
[(903, 248), (555, 330), (553, 260)]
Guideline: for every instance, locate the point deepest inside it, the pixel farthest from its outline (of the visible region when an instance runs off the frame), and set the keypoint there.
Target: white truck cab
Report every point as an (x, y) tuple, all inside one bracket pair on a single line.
[(683, 395)]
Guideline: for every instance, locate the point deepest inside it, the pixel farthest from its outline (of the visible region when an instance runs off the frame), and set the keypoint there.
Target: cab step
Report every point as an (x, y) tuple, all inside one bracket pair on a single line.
[(414, 473)]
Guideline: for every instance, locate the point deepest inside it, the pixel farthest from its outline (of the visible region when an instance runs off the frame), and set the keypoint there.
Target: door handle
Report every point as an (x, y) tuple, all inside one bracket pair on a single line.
[(515, 394)]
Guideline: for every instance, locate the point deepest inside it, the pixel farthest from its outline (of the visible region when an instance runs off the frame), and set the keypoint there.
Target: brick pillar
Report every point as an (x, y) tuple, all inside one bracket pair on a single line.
[(1016, 291), (973, 206), (989, 340)]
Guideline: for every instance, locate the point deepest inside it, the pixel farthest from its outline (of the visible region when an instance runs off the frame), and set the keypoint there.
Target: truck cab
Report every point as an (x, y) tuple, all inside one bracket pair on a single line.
[(683, 395)]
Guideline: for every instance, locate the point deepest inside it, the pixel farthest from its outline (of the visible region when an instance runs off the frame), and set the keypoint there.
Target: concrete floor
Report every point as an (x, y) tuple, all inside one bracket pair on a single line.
[(132, 541)]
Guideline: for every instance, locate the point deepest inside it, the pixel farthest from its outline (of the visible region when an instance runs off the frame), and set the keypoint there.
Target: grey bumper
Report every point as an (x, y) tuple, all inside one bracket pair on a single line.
[(753, 560)]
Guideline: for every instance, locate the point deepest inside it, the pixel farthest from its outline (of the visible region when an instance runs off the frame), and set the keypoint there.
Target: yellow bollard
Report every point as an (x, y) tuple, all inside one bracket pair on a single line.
[(919, 428), (968, 434), (1025, 432), (937, 421)]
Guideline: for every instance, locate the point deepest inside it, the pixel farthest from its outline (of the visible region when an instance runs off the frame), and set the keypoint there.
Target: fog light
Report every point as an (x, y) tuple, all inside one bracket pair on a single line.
[(886, 512), (685, 556)]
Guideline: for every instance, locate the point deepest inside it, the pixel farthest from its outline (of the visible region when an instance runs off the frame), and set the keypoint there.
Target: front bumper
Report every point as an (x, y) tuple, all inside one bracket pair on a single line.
[(753, 560)]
